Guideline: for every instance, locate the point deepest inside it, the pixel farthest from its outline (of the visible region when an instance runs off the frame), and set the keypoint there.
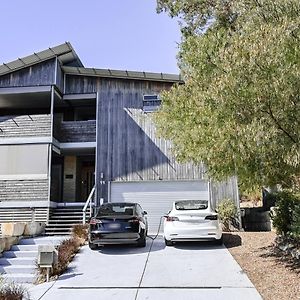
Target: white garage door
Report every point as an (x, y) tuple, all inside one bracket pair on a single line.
[(157, 197)]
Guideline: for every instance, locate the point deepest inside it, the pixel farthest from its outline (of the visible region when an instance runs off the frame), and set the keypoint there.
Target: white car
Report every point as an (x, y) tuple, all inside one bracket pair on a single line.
[(192, 220)]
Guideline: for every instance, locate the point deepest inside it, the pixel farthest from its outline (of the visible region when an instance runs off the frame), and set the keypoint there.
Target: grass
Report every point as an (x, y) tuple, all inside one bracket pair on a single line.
[(12, 291)]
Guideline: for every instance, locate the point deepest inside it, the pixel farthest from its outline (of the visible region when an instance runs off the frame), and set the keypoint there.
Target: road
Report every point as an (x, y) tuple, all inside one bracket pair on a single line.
[(186, 271)]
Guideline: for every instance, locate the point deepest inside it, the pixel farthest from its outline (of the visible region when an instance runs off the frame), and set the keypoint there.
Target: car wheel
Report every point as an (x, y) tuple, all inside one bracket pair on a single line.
[(93, 246), (220, 241), (142, 242), (169, 243)]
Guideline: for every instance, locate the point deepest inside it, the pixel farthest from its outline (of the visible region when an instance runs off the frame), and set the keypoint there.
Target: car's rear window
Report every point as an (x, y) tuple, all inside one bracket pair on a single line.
[(191, 204), (117, 209)]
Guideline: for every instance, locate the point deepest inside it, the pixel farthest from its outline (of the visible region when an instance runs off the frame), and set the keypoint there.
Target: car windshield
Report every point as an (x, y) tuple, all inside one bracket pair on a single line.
[(191, 204), (116, 209)]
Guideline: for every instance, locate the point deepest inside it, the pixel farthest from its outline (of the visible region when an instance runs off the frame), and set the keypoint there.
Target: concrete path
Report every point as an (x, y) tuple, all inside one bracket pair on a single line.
[(185, 271)]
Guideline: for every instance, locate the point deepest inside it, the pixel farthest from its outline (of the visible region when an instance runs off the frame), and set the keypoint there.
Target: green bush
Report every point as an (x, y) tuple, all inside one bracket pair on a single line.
[(286, 205), (295, 226), (227, 213)]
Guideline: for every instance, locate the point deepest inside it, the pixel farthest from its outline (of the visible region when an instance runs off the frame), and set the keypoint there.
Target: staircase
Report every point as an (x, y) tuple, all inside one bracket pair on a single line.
[(19, 264), (62, 219)]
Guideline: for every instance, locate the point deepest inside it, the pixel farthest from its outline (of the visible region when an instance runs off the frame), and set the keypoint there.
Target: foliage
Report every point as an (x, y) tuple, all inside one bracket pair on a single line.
[(80, 231), (286, 206), (295, 226), (227, 212), (66, 252), (12, 291), (253, 195), (238, 111)]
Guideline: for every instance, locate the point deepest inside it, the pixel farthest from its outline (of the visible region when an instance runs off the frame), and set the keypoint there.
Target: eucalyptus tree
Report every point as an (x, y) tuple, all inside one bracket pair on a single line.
[(238, 110)]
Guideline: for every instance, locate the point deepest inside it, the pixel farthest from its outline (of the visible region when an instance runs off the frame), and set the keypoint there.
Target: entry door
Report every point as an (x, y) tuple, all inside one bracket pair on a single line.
[(87, 181)]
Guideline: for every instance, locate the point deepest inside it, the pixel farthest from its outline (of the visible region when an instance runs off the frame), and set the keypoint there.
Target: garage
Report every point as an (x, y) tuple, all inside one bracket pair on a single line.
[(157, 197)]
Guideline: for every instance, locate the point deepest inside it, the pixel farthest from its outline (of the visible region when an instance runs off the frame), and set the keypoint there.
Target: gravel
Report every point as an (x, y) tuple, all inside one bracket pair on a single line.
[(274, 275)]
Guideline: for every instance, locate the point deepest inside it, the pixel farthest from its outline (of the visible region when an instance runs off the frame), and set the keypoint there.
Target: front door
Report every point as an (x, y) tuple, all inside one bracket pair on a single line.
[(87, 181)]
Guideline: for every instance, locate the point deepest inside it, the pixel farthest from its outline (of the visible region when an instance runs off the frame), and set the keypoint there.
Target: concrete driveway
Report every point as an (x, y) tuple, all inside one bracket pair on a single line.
[(185, 271)]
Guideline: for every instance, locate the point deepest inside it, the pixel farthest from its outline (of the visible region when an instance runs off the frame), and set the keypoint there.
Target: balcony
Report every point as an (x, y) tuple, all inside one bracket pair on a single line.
[(75, 131)]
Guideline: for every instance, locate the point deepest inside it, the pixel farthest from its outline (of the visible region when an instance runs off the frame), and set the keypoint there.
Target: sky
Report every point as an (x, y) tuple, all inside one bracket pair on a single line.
[(109, 34)]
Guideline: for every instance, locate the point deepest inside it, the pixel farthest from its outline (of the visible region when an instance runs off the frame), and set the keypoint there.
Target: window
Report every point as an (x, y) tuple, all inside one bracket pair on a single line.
[(116, 209), (151, 103), (191, 204)]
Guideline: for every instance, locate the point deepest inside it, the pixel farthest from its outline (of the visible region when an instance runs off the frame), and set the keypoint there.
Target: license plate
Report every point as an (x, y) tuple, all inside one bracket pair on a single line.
[(114, 226)]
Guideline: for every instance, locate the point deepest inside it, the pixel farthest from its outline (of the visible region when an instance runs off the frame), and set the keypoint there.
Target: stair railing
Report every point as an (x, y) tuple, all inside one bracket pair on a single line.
[(88, 203)]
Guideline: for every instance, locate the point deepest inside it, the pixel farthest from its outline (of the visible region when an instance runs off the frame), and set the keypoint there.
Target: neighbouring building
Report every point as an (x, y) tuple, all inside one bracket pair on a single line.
[(65, 128)]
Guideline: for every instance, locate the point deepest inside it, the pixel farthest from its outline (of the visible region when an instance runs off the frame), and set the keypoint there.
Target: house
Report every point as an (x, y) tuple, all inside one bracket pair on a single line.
[(65, 128)]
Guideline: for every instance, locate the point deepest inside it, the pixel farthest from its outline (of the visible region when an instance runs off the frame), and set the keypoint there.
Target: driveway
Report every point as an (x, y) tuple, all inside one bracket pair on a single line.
[(185, 271)]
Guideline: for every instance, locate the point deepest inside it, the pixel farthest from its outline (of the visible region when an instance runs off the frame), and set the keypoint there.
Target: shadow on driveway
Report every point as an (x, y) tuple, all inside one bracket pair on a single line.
[(131, 249), (197, 246)]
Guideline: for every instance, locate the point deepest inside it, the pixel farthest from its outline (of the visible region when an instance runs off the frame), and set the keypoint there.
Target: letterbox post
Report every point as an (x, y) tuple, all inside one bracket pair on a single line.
[(47, 257)]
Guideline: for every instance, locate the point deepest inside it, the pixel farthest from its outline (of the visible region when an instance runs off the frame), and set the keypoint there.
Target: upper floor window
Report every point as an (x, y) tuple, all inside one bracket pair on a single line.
[(151, 103)]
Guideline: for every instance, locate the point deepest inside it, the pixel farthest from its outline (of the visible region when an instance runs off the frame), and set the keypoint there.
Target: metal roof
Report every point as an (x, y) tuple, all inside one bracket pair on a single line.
[(64, 52), (122, 74)]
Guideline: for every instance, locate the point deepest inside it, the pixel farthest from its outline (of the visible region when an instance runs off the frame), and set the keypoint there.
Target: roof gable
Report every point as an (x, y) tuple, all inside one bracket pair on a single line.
[(64, 52)]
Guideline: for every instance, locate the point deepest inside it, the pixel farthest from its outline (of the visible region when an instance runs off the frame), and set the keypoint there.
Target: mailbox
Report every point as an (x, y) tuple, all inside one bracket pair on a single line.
[(47, 256)]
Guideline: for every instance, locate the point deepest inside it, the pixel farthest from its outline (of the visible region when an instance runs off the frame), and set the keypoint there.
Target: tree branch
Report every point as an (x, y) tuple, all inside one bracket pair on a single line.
[(270, 113)]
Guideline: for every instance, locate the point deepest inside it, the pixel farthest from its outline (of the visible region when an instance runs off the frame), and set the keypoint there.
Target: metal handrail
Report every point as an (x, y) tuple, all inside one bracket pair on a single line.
[(88, 202)]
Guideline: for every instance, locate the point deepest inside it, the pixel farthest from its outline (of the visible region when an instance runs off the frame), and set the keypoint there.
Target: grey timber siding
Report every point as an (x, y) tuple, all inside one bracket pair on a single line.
[(75, 131), (39, 74), (59, 78), (82, 84), (24, 190), (36, 214), (225, 190), (25, 126), (128, 148)]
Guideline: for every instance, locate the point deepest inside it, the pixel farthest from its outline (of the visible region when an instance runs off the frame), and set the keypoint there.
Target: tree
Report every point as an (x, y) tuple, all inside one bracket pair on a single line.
[(239, 109)]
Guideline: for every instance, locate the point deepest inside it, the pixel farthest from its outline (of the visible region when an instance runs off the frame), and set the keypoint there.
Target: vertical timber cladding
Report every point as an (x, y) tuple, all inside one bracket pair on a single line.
[(128, 148), (42, 73)]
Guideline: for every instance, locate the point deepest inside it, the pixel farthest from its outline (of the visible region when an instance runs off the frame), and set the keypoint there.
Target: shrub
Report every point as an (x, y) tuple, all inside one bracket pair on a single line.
[(295, 226), (12, 291), (80, 231), (227, 212), (66, 251), (286, 206)]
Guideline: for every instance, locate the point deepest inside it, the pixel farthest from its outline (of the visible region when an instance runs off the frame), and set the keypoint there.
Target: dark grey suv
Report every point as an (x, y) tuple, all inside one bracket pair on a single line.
[(118, 223)]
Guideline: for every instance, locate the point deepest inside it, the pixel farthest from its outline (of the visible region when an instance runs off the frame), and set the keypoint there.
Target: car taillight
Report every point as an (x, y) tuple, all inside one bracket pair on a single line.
[(211, 217), (95, 221), (171, 219)]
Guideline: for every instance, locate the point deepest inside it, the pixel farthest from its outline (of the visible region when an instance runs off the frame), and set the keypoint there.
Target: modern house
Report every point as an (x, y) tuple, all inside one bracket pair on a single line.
[(65, 128)]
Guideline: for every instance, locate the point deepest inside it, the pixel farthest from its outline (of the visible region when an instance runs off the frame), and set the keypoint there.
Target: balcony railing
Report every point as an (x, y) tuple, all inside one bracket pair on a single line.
[(75, 131)]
